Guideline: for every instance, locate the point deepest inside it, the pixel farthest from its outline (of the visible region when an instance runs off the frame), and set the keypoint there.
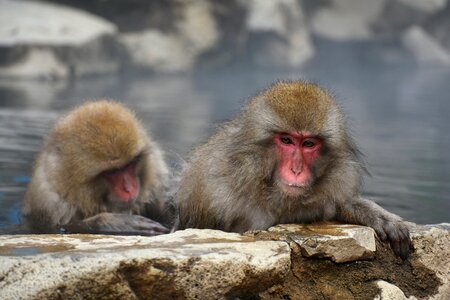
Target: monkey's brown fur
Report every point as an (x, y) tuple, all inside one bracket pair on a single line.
[(229, 183), (66, 185)]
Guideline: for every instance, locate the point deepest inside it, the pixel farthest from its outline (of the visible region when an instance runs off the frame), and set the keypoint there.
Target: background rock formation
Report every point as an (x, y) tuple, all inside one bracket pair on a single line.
[(78, 38)]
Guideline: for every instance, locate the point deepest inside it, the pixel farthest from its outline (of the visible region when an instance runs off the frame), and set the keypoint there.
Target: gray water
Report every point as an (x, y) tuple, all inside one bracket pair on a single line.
[(399, 117)]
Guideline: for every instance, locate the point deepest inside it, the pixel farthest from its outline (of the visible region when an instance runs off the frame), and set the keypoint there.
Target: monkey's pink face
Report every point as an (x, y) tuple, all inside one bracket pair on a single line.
[(297, 152), (124, 183)]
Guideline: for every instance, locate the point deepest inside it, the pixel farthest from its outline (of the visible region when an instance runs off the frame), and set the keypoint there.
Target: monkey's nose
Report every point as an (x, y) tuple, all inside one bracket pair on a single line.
[(296, 171)]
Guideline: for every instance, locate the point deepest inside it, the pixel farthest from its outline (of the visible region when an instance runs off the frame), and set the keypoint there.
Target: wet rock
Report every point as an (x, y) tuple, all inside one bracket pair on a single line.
[(439, 26), (176, 49), (277, 33), (341, 243), (344, 20), (154, 50), (432, 249), (383, 277), (425, 48), (429, 6), (200, 264), (389, 291), (42, 40), (398, 15), (210, 264)]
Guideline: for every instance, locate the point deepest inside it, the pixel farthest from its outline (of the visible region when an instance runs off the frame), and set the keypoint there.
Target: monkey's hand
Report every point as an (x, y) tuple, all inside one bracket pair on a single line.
[(388, 226), (121, 224), (396, 232)]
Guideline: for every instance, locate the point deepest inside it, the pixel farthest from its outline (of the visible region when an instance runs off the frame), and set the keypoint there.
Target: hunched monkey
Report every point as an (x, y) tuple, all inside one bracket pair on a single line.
[(98, 172)]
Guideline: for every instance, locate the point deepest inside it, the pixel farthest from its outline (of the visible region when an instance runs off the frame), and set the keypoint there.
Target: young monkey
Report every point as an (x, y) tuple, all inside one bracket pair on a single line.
[(98, 172), (286, 158)]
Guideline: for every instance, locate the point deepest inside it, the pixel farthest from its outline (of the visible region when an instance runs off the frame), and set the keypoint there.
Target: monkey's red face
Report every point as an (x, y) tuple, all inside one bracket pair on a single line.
[(124, 182), (297, 152)]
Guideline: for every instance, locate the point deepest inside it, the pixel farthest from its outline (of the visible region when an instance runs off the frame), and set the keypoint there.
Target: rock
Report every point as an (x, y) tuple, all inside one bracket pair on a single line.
[(189, 264), (36, 63), (42, 40), (197, 26), (432, 249), (424, 47), (178, 49), (277, 33), (398, 15), (382, 277), (154, 50), (428, 7), (341, 243), (211, 264), (345, 20), (390, 292), (439, 26)]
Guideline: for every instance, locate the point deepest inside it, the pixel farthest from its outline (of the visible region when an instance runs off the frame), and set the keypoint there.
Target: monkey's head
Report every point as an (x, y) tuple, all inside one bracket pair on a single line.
[(103, 149), (305, 131)]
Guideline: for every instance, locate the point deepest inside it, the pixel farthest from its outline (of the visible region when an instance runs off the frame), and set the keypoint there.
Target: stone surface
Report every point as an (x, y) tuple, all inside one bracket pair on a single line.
[(177, 49), (277, 33), (424, 47), (187, 264), (345, 20), (439, 27), (414, 278), (390, 292), (432, 244), (156, 51), (48, 24), (429, 6), (210, 264), (43, 40), (341, 243)]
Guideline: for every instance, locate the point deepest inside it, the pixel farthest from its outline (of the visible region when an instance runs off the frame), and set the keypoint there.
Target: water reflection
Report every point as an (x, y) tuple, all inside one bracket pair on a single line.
[(398, 117)]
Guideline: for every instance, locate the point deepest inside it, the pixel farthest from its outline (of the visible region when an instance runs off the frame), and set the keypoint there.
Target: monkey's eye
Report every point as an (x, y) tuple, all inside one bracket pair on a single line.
[(286, 140), (308, 144)]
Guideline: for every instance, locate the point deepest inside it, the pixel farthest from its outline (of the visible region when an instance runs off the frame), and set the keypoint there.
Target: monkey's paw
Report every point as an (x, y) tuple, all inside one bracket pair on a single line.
[(397, 233), (115, 223)]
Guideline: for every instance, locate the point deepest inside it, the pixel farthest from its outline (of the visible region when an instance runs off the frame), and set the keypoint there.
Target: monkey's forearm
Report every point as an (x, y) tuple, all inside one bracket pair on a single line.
[(388, 226), (114, 223)]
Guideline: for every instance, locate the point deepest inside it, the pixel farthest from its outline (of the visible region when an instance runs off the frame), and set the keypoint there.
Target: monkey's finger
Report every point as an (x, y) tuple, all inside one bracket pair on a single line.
[(400, 242), (381, 233), (406, 247), (395, 245), (160, 229), (153, 227)]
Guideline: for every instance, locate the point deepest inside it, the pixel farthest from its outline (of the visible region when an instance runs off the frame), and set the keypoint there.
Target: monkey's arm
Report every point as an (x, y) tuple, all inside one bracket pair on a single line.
[(388, 226), (116, 223)]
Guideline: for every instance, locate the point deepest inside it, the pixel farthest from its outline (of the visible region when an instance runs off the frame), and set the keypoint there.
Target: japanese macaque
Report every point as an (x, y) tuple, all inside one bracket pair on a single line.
[(286, 158), (98, 172)]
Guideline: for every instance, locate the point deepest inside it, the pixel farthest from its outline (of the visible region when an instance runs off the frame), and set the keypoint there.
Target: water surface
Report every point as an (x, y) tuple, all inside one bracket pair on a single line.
[(399, 117)]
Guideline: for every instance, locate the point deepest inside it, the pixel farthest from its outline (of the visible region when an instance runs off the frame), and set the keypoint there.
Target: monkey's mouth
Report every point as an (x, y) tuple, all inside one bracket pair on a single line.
[(122, 204), (293, 189), (128, 201), (296, 185)]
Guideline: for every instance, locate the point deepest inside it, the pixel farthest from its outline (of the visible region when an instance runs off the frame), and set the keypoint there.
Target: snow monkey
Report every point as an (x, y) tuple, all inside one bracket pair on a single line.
[(286, 158), (98, 172)]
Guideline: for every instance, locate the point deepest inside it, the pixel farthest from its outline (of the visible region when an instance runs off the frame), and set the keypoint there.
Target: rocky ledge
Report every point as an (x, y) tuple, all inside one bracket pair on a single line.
[(326, 261)]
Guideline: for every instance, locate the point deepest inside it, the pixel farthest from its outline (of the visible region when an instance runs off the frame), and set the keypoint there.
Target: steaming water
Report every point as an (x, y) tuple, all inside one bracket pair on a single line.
[(400, 119)]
